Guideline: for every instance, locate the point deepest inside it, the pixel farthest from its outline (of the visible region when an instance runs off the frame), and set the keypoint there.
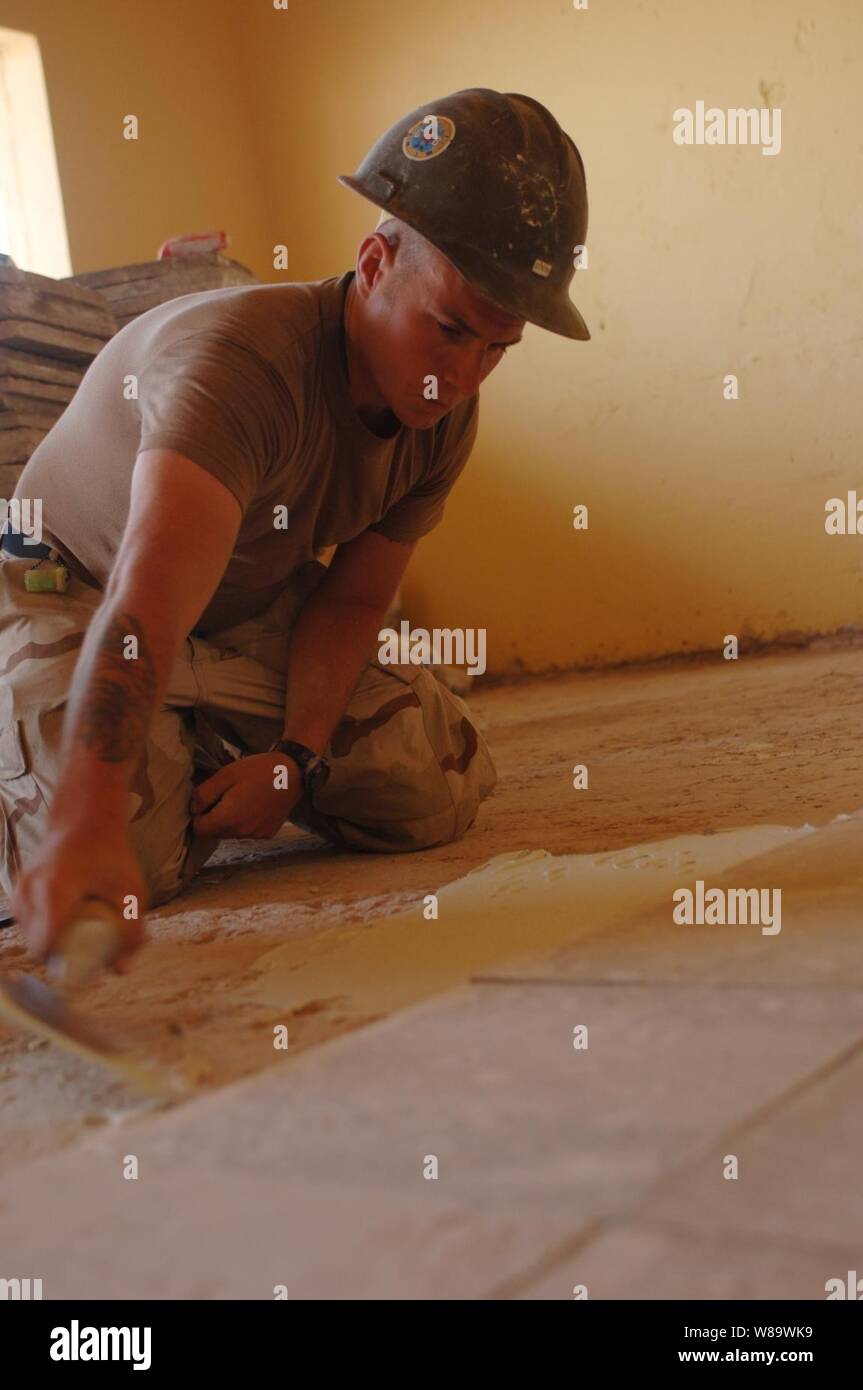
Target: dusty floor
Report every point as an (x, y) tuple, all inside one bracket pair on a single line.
[(673, 748)]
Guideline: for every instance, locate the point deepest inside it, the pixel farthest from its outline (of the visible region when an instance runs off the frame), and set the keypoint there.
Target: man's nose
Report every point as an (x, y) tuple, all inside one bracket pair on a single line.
[(465, 373)]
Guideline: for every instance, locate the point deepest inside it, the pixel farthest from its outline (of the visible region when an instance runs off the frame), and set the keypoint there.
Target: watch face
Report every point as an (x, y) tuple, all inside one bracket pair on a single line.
[(317, 774)]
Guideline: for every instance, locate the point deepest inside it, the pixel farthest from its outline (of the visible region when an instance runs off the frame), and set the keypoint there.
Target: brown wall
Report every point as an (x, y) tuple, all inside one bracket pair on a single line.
[(706, 516)]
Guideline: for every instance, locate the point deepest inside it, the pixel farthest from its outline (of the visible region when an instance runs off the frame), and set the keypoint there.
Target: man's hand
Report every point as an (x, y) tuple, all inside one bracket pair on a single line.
[(74, 863), (248, 798)]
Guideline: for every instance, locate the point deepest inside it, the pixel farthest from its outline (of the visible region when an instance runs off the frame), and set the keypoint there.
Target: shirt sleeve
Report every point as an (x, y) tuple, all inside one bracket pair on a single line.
[(211, 396), (421, 509)]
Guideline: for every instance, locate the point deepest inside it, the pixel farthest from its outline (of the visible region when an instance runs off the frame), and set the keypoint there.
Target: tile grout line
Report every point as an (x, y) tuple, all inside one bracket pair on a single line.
[(746, 1239), (599, 1225), (599, 981)]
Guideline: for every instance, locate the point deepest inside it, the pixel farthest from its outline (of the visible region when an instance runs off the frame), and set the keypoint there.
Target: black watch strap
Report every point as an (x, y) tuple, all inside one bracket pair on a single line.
[(313, 767)]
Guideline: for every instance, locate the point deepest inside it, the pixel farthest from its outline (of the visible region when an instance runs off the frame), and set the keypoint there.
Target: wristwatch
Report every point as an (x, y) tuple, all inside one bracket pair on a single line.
[(313, 766)]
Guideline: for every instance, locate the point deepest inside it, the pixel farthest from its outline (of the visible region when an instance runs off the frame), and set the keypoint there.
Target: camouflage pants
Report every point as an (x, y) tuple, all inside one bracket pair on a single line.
[(409, 768)]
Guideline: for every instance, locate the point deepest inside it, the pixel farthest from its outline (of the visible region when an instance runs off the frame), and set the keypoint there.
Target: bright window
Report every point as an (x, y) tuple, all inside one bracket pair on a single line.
[(32, 222)]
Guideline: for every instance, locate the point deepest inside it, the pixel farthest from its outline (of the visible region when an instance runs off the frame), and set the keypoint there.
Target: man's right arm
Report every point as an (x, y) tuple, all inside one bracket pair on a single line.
[(180, 533), (179, 536)]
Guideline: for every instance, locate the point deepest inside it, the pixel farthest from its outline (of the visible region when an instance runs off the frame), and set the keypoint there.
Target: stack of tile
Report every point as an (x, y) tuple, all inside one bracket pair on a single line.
[(133, 289), (50, 331)]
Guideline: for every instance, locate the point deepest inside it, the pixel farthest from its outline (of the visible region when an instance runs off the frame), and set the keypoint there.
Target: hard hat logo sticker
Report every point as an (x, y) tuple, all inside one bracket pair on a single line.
[(428, 137)]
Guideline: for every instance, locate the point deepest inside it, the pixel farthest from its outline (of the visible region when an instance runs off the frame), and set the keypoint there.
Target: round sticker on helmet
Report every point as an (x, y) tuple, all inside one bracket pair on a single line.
[(428, 137)]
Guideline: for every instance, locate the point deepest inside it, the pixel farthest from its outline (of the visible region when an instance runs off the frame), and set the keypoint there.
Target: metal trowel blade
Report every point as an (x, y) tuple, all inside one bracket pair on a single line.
[(28, 1003)]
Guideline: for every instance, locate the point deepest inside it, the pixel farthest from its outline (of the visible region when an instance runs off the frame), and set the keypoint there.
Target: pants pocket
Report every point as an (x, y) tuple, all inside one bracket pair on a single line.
[(13, 762), (14, 799)]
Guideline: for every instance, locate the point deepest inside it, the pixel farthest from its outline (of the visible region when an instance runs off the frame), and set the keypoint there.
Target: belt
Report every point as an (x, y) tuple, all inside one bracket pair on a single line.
[(13, 542)]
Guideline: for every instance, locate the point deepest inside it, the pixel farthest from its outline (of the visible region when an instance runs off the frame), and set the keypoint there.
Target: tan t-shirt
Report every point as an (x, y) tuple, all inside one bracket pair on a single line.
[(249, 382)]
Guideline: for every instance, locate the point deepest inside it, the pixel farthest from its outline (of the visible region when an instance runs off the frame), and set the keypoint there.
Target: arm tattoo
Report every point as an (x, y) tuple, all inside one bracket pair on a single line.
[(117, 703)]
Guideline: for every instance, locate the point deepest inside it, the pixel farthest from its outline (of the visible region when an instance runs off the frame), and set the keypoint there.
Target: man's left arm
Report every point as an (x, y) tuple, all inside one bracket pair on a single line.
[(331, 643), (336, 632), (337, 628)]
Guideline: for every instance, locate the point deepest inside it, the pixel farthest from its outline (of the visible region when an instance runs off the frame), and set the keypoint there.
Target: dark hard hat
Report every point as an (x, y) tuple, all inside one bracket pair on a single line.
[(492, 181)]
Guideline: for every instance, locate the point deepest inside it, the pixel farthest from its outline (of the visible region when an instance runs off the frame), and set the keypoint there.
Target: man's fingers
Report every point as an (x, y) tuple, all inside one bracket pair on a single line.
[(43, 918), (220, 820), (206, 794)]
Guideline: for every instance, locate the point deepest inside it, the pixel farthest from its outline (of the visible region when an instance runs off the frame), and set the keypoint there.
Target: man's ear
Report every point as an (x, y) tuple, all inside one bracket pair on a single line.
[(374, 258)]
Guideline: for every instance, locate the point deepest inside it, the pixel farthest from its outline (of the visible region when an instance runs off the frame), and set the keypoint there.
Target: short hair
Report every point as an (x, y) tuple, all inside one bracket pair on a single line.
[(411, 248)]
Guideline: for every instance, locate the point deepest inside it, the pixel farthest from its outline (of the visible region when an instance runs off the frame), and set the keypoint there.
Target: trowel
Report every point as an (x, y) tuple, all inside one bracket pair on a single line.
[(90, 941)]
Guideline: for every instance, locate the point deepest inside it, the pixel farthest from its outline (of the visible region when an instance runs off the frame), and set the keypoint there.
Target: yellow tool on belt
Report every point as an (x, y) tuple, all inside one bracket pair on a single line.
[(53, 579), (48, 576)]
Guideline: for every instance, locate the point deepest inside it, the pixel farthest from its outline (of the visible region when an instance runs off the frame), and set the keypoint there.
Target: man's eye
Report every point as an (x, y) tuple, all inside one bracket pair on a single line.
[(452, 331)]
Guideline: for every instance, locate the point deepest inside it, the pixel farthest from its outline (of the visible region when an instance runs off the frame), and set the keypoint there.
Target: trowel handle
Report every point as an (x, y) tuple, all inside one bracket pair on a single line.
[(90, 940)]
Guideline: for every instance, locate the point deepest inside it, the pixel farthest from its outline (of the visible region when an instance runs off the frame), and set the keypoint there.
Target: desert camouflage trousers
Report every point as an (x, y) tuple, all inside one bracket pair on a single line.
[(408, 766)]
